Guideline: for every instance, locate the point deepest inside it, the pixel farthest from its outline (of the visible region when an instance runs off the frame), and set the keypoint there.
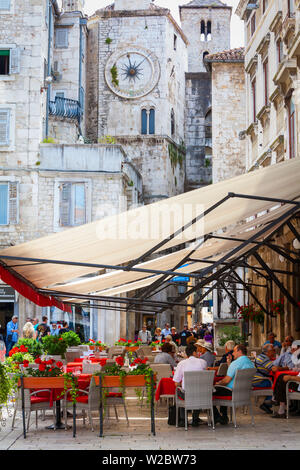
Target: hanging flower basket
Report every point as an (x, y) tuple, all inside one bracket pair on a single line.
[(277, 306), (251, 313)]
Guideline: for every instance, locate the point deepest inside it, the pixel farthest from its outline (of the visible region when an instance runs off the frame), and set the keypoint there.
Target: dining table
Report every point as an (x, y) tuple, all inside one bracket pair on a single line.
[(166, 386)]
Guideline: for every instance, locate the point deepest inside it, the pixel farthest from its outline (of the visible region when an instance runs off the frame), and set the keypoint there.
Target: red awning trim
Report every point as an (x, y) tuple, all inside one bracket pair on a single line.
[(29, 293)]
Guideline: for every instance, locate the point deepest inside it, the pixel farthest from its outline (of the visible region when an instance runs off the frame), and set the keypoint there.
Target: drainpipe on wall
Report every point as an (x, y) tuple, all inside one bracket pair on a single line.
[(82, 23), (49, 66)]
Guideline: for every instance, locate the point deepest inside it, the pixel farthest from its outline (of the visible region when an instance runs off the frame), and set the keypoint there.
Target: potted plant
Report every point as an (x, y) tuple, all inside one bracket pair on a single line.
[(156, 345), (251, 313), (277, 306), (33, 346), (96, 345), (129, 345), (54, 346), (71, 338)]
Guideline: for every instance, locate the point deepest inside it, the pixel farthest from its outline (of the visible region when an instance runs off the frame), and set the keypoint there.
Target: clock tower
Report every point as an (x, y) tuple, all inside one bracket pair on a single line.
[(137, 59)]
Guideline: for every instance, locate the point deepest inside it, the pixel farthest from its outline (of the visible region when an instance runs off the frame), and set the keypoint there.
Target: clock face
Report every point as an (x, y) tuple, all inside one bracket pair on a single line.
[(132, 72)]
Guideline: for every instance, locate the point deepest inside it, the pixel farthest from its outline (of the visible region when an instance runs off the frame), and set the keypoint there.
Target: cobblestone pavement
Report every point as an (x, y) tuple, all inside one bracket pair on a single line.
[(267, 434)]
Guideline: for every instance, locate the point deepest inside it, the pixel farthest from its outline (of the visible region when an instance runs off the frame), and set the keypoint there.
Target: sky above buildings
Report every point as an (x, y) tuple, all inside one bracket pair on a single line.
[(237, 32)]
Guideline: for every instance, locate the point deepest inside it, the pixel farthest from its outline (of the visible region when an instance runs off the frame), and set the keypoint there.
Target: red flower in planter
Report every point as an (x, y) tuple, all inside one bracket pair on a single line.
[(102, 362), (25, 363), (42, 367), (120, 361), (59, 364), (23, 349), (38, 360)]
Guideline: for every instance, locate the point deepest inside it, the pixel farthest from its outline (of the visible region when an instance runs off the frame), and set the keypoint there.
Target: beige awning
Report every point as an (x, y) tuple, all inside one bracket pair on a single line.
[(112, 241)]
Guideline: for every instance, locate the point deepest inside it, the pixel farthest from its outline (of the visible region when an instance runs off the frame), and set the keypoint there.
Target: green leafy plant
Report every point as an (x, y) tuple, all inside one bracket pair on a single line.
[(108, 40), (277, 306), (33, 346), (54, 345), (114, 75), (129, 343), (176, 154), (229, 333), (5, 386), (71, 338), (107, 140), (49, 140)]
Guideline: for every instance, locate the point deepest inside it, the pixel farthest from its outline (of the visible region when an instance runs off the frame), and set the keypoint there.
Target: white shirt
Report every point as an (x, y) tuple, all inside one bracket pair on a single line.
[(188, 365)]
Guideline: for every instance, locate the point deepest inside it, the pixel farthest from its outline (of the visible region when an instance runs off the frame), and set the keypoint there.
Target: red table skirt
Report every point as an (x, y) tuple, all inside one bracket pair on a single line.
[(283, 372)]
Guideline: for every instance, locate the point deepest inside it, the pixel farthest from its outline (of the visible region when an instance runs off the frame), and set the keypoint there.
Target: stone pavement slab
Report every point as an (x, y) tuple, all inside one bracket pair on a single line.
[(267, 434)]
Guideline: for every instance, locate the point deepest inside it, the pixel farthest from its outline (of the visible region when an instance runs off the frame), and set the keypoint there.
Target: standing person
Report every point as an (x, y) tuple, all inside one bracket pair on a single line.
[(208, 337), (145, 335), (166, 331), (35, 323), (54, 331), (12, 333), (175, 335), (157, 335), (78, 331), (43, 329), (28, 331), (184, 335), (65, 328)]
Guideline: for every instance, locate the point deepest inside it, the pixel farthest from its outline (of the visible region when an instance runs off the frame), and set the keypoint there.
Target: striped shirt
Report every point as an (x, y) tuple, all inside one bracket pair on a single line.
[(263, 368)]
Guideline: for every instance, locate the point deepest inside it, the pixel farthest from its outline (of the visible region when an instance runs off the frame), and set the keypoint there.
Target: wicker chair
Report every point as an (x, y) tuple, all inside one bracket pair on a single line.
[(241, 393), (222, 370), (116, 351), (33, 401), (88, 401), (198, 387), (90, 368)]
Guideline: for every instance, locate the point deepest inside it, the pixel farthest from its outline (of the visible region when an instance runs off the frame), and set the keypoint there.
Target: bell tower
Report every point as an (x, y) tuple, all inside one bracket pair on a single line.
[(73, 5)]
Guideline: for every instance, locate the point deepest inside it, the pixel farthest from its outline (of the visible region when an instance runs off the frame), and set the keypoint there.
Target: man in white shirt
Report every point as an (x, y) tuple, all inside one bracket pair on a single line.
[(145, 335), (192, 363)]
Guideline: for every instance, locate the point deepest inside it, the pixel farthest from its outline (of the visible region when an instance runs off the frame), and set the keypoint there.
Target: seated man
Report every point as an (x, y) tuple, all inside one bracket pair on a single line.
[(280, 386), (284, 361), (229, 345), (241, 361), (166, 356), (286, 345), (192, 363), (271, 340), (264, 363), (206, 352)]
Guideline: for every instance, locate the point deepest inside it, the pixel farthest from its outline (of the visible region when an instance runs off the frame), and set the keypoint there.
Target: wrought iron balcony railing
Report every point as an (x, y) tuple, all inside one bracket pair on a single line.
[(65, 107)]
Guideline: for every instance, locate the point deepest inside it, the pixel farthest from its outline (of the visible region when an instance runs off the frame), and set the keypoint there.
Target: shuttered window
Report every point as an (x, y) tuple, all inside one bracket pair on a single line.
[(4, 126), (9, 61), (9, 203), (4, 4), (61, 37), (72, 204)]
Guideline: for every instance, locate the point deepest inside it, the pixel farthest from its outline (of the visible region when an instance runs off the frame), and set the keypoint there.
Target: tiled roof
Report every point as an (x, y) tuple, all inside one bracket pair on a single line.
[(232, 55), (205, 3)]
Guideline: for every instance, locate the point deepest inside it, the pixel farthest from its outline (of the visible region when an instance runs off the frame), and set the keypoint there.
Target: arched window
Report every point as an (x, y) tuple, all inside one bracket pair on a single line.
[(209, 31), (205, 54), (202, 31), (172, 122), (148, 121)]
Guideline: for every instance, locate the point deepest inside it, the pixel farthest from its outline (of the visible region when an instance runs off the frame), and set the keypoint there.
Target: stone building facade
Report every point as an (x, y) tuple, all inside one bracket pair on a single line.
[(272, 128), (47, 187), (206, 23), (137, 58)]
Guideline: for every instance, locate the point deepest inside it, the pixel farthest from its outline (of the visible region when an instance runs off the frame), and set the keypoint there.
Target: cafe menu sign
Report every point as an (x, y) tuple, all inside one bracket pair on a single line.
[(7, 294)]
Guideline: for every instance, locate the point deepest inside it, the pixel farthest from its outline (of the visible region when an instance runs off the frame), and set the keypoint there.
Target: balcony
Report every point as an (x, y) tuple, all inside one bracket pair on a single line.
[(64, 107)]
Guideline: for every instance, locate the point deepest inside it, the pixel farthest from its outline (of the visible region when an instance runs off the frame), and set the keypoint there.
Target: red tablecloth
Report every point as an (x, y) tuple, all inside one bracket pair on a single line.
[(166, 386), (90, 358), (283, 372)]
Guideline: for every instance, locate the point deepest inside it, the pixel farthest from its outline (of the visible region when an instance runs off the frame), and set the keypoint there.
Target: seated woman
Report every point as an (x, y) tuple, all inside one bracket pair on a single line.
[(166, 356), (168, 339)]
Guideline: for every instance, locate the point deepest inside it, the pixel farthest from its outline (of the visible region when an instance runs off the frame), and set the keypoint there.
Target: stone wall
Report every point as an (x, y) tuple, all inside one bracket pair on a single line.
[(228, 120), (198, 104)]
